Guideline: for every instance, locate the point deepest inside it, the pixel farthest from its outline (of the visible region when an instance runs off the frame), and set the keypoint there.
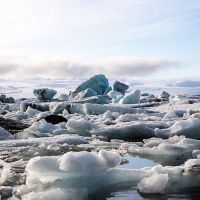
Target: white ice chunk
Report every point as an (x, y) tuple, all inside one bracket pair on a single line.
[(43, 114), (193, 165), (131, 98), (57, 107), (170, 115), (32, 112), (42, 126), (154, 184), (79, 126), (108, 115)]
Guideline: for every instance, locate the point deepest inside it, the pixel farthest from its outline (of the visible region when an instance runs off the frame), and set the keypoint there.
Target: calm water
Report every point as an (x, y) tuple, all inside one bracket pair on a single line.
[(132, 194)]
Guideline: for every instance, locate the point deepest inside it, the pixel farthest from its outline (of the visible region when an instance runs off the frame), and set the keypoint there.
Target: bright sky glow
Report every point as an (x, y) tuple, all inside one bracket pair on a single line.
[(66, 38)]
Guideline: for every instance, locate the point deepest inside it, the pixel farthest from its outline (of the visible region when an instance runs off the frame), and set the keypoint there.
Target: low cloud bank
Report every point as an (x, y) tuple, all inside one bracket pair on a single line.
[(112, 67)]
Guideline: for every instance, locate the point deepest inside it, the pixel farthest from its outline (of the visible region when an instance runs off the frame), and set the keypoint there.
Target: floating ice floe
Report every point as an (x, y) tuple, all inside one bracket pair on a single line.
[(95, 109), (44, 94), (59, 139), (174, 150), (128, 130), (190, 128)]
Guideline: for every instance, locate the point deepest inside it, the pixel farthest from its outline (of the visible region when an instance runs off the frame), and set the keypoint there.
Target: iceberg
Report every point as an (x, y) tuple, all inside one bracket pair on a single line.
[(98, 83)]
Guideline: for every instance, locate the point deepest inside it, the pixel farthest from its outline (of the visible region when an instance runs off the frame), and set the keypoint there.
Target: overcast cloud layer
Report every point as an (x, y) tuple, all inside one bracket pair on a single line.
[(62, 68)]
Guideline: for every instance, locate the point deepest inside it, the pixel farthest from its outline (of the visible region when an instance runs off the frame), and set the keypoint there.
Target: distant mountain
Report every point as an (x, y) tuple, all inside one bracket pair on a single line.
[(188, 83)]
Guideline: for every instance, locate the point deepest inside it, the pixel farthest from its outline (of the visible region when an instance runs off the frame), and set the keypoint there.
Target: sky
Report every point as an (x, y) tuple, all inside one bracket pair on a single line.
[(144, 39)]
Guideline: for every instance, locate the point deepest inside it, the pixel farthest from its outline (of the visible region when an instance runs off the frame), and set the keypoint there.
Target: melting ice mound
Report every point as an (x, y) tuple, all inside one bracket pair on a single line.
[(78, 175), (78, 171)]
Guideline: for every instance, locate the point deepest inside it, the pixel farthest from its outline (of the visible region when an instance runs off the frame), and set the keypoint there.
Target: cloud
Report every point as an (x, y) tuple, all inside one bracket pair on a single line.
[(22, 67)]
